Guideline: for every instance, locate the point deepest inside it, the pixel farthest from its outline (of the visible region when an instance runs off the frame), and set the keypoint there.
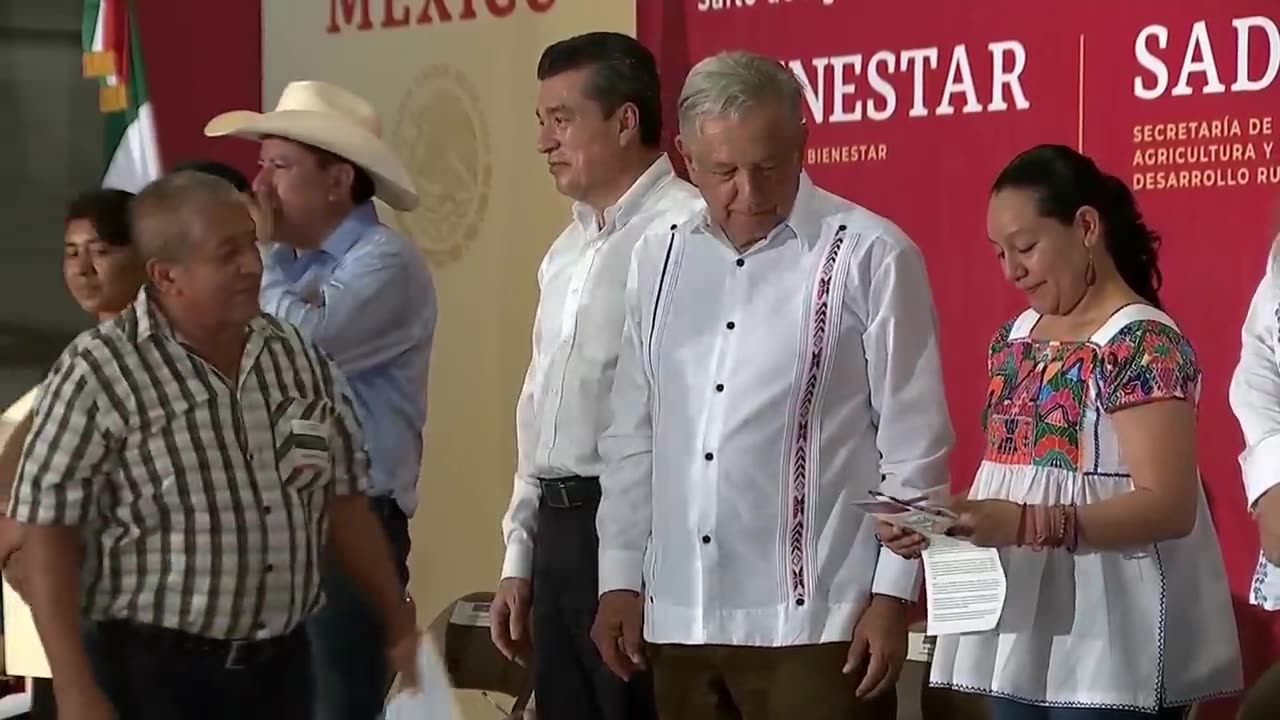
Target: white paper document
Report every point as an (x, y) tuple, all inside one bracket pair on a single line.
[(433, 699), (964, 583), (965, 586)]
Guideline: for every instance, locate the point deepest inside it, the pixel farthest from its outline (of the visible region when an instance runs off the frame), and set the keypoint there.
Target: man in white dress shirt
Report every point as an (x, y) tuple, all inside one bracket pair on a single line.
[(599, 113), (1255, 400), (779, 361)]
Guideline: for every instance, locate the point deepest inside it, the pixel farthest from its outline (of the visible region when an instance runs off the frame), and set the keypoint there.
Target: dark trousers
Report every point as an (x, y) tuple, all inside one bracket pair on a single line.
[(148, 675), (1261, 700), (717, 682), (348, 644), (571, 682), (1002, 709), (43, 705)]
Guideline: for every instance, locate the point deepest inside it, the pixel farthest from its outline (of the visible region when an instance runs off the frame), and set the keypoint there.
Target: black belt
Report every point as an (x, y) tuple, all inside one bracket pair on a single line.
[(230, 654), (569, 492)]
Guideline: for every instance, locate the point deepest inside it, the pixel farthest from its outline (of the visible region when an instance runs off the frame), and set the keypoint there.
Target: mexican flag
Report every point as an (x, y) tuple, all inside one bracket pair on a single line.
[(113, 54)]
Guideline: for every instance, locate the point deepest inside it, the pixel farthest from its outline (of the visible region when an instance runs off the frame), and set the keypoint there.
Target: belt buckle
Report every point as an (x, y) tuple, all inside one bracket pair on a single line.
[(560, 498), (234, 660)]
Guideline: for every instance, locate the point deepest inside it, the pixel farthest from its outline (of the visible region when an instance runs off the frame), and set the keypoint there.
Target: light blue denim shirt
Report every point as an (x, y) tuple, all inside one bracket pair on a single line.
[(367, 299)]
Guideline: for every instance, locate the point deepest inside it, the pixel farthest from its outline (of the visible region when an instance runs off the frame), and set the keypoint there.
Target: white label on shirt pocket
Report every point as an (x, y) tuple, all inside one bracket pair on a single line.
[(311, 442), (307, 427)]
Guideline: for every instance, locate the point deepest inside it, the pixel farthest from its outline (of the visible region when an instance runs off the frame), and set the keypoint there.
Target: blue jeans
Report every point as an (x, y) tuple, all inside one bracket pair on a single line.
[(1002, 709), (348, 650)]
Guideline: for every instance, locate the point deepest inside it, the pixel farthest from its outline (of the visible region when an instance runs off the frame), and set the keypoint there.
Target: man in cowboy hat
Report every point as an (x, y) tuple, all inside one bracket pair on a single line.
[(362, 292)]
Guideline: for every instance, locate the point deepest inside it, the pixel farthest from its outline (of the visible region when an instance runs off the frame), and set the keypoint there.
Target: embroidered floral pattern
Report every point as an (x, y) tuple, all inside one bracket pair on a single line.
[(1148, 361), (1038, 391), (1035, 403), (1265, 589)]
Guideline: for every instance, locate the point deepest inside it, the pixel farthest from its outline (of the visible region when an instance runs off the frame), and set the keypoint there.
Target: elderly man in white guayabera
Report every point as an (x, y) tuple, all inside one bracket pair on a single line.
[(779, 361)]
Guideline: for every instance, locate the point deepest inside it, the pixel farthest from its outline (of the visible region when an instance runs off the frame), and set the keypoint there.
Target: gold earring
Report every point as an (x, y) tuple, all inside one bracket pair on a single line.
[(1090, 272)]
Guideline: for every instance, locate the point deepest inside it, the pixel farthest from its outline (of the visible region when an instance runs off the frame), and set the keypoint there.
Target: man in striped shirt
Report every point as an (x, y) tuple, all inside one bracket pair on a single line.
[(189, 465)]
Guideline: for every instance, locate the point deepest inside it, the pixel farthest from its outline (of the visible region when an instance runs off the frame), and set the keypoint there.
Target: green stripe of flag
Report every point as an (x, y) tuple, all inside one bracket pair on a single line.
[(89, 23)]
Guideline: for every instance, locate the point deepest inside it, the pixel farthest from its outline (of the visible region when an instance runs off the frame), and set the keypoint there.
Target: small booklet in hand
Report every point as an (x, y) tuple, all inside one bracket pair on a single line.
[(916, 513)]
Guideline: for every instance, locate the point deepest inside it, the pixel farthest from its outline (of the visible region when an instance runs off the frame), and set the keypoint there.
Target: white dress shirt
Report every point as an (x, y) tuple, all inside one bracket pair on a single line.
[(1255, 400), (564, 404), (757, 396)]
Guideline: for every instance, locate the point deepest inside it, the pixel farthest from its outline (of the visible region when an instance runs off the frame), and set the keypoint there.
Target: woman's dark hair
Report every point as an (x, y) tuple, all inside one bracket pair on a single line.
[(107, 211), (622, 70), (218, 170), (1064, 181)]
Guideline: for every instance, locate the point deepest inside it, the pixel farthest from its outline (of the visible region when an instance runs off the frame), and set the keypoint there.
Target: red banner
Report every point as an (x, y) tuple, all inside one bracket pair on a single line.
[(915, 106)]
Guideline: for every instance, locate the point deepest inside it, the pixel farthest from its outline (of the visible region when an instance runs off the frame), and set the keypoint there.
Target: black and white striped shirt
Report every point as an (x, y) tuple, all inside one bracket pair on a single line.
[(202, 503)]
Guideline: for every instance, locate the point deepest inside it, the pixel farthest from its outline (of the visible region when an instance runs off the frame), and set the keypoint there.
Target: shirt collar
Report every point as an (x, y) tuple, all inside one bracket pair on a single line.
[(152, 321), (363, 217), (804, 218), (633, 201), (803, 221)]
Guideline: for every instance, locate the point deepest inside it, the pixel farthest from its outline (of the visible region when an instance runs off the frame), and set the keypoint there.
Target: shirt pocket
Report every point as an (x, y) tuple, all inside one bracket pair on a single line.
[(304, 439)]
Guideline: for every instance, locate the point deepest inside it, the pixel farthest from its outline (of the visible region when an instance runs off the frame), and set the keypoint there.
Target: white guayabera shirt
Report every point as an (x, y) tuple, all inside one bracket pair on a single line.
[(1255, 400), (757, 396)]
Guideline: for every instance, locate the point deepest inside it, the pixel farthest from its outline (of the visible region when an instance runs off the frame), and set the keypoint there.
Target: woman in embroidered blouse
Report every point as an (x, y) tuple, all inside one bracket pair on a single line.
[(103, 274), (1117, 603)]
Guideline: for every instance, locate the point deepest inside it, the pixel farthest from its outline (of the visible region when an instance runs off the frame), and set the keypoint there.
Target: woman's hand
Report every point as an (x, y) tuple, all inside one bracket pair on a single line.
[(989, 523), (902, 541)]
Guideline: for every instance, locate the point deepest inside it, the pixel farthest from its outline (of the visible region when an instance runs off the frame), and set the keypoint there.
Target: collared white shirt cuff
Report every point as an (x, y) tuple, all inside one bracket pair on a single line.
[(621, 570), (518, 561), (896, 576), (1261, 465)]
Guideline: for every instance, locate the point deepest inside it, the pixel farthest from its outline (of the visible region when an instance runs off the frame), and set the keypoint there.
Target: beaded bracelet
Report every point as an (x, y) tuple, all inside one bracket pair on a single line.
[(1073, 525), (1048, 526)]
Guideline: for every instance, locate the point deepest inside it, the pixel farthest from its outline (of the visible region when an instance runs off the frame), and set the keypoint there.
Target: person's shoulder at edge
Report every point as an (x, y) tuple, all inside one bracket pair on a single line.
[(662, 223), (875, 231), (1155, 330), (123, 327), (677, 189), (676, 201), (90, 353), (382, 237)]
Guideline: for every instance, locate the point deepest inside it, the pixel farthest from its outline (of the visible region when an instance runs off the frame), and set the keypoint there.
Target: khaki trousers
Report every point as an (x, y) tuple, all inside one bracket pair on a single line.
[(1262, 701), (717, 682)]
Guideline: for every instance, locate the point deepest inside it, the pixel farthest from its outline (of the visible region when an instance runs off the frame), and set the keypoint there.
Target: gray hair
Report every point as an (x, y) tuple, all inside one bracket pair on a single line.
[(728, 83), (160, 214)]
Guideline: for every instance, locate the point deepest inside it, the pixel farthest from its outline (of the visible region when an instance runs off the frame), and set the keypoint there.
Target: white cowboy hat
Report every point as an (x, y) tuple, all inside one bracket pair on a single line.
[(331, 118)]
